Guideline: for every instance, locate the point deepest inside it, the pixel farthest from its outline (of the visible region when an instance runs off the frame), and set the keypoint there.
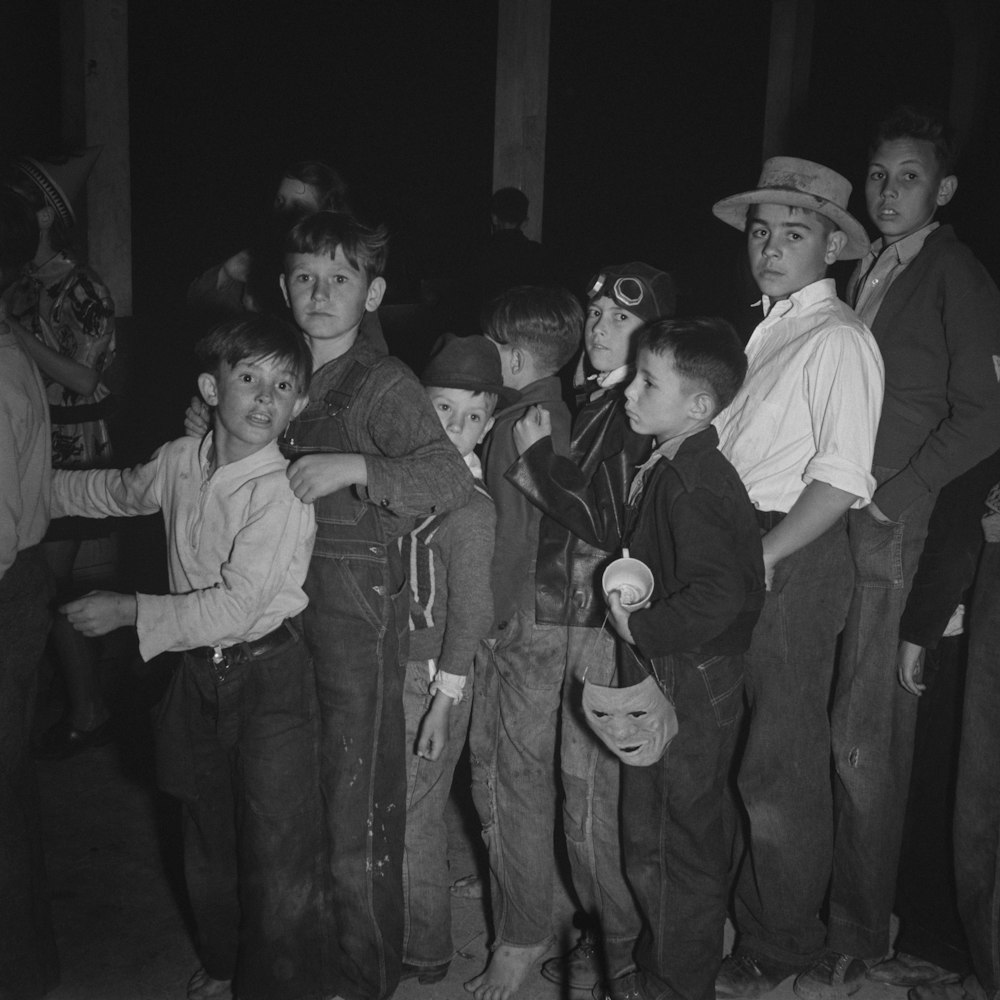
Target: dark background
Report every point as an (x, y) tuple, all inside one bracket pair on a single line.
[(655, 111)]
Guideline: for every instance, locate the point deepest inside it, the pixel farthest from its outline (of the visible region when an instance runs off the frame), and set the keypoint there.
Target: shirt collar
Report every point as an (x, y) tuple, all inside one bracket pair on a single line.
[(905, 249), (607, 379), (812, 293), (475, 466), (271, 452)]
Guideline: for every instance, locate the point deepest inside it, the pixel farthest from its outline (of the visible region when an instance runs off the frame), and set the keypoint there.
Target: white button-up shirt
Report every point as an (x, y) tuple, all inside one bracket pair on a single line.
[(811, 402), (238, 541)]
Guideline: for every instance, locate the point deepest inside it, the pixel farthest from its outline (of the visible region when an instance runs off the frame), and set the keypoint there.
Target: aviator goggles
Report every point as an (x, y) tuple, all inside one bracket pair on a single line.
[(626, 290)]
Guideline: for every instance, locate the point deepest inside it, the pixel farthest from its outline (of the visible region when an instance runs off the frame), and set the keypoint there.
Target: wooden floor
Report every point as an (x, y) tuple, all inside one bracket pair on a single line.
[(114, 867)]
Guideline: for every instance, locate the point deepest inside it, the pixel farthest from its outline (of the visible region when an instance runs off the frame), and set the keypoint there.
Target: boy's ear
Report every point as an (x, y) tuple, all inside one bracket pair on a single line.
[(946, 190), (702, 406), (375, 292), (208, 388), (284, 289), (486, 429), (835, 243)]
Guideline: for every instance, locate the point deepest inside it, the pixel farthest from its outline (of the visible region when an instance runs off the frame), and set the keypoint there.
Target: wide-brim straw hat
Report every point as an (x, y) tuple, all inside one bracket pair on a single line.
[(787, 180)]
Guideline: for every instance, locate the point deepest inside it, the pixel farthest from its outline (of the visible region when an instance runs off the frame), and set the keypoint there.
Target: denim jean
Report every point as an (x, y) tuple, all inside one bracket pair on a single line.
[(977, 796), (512, 744), (356, 628), (591, 804), (784, 776), (426, 882), (675, 829), (242, 757), (28, 963), (872, 721)]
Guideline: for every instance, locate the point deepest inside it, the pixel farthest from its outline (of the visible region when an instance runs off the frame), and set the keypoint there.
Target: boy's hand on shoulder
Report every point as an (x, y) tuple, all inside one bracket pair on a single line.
[(532, 427), (433, 734), (315, 476), (196, 417), (101, 611), (620, 617)]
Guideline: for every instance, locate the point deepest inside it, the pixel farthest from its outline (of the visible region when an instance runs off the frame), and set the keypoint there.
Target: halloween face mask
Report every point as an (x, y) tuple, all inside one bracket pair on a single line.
[(635, 723)]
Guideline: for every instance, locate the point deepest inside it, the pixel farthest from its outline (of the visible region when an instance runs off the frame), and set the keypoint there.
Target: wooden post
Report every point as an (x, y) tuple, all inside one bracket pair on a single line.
[(521, 102), (788, 66), (95, 113)]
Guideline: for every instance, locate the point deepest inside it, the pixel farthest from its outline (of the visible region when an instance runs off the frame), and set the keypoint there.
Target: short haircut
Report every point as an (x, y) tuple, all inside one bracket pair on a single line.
[(509, 205), (911, 122), (546, 322), (330, 187), (256, 336), (18, 234), (705, 350), (364, 248)]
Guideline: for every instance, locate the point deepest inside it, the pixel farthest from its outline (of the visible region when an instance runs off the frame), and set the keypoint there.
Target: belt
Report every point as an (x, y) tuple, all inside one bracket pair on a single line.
[(224, 657), (767, 519)]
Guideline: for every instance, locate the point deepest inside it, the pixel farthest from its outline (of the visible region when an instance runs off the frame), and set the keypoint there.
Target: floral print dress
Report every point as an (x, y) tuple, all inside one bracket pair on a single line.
[(67, 307)]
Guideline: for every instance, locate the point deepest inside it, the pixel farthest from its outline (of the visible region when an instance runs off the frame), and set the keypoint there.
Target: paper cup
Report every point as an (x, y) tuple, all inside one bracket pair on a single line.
[(632, 578)]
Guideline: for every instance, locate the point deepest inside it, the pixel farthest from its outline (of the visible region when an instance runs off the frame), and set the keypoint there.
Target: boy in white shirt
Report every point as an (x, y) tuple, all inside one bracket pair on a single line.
[(237, 732), (800, 433)]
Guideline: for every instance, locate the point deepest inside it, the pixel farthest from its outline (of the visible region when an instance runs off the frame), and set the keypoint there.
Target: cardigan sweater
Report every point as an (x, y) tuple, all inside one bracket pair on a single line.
[(939, 333)]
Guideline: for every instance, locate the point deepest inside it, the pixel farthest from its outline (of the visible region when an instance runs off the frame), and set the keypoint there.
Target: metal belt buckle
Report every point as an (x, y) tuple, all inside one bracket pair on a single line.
[(220, 664)]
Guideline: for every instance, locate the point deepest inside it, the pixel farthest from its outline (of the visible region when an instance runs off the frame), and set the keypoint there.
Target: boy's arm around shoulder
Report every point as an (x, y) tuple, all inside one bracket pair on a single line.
[(715, 551), (970, 318), (467, 553), (413, 469), (262, 574)]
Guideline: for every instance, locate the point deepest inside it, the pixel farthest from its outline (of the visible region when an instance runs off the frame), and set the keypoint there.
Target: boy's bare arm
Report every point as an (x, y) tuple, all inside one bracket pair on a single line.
[(101, 611), (817, 509), (433, 734)]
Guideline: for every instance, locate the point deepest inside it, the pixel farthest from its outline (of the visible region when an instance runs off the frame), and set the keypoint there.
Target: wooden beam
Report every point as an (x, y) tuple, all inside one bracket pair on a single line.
[(95, 113), (789, 61), (522, 94)]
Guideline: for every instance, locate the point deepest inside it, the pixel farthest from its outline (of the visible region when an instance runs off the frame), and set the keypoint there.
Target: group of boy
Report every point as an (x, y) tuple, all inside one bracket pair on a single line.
[(312, 730)]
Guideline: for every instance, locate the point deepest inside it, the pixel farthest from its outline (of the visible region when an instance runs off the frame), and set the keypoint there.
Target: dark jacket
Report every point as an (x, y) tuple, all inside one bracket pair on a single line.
[(939, 333), (695, 528), (583, 499), (517, 520)]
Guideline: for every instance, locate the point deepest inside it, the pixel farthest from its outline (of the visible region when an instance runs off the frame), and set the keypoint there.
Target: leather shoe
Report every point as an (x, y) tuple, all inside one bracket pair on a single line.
[(909, 970), (578, 969), (425, 974), (63, 740), (744, 976)]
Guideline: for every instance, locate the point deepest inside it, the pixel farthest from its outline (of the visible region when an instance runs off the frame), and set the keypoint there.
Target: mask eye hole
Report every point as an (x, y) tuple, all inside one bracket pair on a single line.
[(637, 715), (600, 715)]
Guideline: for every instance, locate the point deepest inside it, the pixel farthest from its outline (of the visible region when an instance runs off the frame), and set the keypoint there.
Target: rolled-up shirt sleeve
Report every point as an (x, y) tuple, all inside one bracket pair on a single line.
[(844, 386)]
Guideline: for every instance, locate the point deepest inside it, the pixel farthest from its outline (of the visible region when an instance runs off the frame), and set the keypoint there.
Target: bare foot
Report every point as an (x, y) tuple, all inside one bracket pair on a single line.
[(507, 969), (201, 986)]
